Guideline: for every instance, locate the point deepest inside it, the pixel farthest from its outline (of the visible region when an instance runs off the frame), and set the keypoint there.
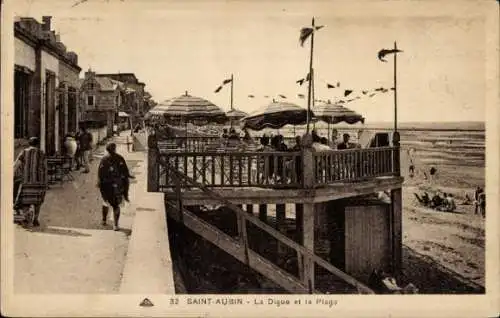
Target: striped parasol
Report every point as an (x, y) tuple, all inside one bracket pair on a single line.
[(335, 113), (187, 108), (235, 114), (276, 115)]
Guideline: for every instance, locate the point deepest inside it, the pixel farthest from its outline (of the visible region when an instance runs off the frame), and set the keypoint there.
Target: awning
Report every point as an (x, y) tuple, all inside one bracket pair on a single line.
[(123, 114)]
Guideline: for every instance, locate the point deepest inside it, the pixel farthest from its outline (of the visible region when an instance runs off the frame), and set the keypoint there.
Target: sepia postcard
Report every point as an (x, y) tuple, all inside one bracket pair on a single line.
[(237, 158)]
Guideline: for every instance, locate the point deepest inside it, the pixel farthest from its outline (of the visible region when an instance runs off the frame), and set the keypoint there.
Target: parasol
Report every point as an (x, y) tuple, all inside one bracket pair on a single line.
[(335, 113), (235, 114), (276, 115), (187, 108)]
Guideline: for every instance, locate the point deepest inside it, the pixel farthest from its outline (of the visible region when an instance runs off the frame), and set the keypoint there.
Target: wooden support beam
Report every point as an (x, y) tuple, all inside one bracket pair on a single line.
[(396, 233), (308, 239), (263, 212), (280, 226), (299, 219)]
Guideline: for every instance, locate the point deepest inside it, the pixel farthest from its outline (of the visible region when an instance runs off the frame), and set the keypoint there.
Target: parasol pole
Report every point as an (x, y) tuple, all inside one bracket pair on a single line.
[(310, 79), (395, 90)]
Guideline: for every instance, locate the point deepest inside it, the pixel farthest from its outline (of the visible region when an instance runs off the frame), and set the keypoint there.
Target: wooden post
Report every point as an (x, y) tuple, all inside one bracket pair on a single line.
[(396, 233), (396, 154), (395, 88), (153, 169), (250, 208), (263, 212), (299, 219), (280, 226), (308, 168), (308, 239)]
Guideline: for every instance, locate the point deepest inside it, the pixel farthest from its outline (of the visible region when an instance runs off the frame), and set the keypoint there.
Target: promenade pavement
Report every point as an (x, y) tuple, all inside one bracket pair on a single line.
[(71, 252)]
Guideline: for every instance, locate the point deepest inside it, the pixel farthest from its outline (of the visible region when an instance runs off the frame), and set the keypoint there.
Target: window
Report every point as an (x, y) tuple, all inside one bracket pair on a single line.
[(91, 86), (22, 87), (91, 100)]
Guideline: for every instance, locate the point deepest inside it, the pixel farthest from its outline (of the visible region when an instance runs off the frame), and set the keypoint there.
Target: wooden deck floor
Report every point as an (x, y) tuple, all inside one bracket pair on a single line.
[(255, 195)]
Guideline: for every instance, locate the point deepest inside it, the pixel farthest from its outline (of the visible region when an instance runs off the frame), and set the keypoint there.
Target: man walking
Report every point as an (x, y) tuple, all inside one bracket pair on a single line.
[(113, 182), (30, 168), (85, 142)]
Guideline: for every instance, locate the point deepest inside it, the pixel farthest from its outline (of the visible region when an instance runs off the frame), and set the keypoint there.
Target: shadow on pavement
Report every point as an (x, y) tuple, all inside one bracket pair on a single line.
[(56, 231)]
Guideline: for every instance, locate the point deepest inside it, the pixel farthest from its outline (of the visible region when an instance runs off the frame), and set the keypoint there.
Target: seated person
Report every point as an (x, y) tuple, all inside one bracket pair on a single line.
[(345, 144), (296, 147), (436, 201), (425, 200), (450, 203), (233, 135)]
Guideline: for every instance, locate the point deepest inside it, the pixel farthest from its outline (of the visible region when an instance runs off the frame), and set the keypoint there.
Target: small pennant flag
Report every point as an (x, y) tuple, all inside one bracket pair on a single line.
[(146, 303), (251, 96), (347, 92), (382, 53), (227, 81), (380, 89), (365, 92), (300, 81), (329, 86), (385, 90), (304, 34), (300, 96), (392, 88), (266, 96), (319, 27), (282, 96), (218, 89), (371, 95)]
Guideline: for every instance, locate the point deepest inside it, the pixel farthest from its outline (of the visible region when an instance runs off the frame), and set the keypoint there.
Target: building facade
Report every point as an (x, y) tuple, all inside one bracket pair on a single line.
[(133, 101), (100, 100), (43, 72)]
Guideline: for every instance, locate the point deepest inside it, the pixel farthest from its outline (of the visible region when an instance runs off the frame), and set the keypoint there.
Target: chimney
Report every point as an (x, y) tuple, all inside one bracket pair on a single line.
[(46, 23)]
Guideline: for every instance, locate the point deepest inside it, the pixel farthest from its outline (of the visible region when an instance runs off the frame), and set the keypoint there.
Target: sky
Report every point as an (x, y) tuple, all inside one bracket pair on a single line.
[(178, 46)]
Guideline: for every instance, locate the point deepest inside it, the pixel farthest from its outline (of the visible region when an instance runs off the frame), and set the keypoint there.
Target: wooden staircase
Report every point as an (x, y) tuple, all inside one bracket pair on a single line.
[(239, 247)]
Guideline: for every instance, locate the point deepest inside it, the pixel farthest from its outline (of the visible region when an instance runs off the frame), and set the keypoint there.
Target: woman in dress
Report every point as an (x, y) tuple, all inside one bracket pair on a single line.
[(113, 176)]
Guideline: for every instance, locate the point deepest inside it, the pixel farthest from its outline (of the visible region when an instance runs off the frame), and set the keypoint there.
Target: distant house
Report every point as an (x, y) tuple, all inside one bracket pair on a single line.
[(101, 98), (133, 101), (45, 85)]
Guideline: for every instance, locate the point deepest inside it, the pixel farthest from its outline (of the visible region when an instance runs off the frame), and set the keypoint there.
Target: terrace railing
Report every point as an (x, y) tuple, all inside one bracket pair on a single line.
[(234, 168), (354, 164)]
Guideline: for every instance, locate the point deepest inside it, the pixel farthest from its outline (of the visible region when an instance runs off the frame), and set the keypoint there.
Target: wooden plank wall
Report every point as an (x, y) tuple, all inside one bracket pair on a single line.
[(367, 239)]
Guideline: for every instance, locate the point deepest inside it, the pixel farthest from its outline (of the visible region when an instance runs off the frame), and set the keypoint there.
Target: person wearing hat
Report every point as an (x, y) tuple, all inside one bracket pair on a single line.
[(30, 167), (113, 183)]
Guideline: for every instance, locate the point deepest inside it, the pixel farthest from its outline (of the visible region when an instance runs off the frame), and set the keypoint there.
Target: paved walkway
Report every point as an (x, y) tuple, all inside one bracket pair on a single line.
[(72, 252)]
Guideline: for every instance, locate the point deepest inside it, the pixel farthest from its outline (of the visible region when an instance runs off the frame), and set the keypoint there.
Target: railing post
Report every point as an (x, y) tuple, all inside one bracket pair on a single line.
[(308, 168), (153, 169), (309, 181), (396, 154)]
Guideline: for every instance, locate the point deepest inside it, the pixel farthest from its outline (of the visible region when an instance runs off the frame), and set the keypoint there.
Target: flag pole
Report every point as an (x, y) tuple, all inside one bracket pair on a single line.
[(232, 81), (395, 89), (310, 80)]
